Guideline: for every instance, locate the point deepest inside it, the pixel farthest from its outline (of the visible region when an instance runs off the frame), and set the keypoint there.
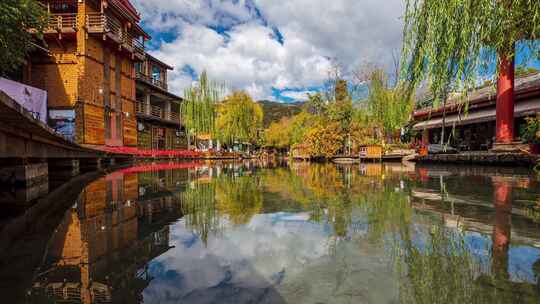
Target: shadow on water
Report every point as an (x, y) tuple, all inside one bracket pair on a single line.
[(272, 233)]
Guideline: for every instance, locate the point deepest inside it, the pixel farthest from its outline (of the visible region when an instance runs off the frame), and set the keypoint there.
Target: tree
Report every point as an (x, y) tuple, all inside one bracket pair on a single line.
[(278, 135), (239, 119), (315, 104), (389, 108), (324, 139), (447, 42), (16, 41), (199, 108)]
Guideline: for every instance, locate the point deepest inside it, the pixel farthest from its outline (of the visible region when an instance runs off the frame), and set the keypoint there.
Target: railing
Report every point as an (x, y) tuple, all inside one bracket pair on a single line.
[(175, 116), (141, 108), (59, 22), (157, 112), (135, 45), (102, 23), (152, 80)]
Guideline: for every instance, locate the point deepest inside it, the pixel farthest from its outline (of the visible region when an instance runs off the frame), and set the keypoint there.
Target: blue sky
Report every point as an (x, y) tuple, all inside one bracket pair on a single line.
[(277, 50)]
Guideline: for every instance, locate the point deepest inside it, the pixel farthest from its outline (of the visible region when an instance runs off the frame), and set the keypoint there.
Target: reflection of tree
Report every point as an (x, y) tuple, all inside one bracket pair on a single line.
[(238, 197), (198, 205), (436, 264), (437, 268)]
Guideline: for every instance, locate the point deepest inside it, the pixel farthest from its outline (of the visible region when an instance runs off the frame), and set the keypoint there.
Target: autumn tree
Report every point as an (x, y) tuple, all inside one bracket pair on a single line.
[(279, 134), (16, 41), (239, 119), (324, 139)]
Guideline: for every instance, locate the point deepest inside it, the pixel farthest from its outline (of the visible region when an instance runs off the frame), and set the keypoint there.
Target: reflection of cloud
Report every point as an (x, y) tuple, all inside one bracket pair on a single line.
[(272, 253)]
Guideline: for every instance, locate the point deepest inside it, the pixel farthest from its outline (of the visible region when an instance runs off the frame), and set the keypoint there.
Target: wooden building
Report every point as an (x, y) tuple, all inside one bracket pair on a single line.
[(87, 67), (472, 126), (158, 110), (101, 251)]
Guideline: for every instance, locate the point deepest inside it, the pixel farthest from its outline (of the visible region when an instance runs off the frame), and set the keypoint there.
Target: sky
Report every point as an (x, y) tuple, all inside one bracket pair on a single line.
[(274, 50)]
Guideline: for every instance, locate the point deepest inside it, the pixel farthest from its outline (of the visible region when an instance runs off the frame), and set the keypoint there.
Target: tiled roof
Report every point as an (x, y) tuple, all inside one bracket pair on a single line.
[(523, 87)]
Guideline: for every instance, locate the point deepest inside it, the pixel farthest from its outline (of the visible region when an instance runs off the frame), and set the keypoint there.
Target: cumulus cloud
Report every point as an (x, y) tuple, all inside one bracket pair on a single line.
[(297, 95), (260, 45)]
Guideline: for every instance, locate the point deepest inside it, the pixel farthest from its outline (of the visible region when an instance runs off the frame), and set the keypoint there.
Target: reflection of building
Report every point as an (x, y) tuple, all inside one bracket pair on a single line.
[(476, 129), (100, 252), (88, 69), (158, 110)]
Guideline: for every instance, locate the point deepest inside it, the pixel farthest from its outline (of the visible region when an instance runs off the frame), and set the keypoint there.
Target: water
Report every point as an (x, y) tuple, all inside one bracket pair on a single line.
[(276, 233)]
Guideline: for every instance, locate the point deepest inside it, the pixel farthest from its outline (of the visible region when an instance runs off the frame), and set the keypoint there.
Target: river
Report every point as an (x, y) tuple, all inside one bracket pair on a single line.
[(254, 232)]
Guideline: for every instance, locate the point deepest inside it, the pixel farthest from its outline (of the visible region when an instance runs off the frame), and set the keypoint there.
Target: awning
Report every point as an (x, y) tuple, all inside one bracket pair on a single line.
[(524, 108)]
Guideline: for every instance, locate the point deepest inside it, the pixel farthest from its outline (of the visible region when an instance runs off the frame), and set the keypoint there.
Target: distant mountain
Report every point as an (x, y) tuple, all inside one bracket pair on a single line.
[(274, 111)]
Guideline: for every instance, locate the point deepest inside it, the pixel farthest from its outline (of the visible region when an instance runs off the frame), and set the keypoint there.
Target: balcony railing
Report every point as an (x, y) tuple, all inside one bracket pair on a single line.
[(98, 23), (157, 112), (175, 116), (62, 23), (133, 44), (152, 80), (141, 108)]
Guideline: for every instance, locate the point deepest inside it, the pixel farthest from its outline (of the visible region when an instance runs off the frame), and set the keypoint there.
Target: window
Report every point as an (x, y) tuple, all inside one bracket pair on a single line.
[(156, 73), (139, 67)]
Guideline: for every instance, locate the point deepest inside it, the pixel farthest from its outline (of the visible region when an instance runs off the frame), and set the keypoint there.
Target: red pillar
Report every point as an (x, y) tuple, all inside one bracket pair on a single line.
[(505, 101), (501, 228)]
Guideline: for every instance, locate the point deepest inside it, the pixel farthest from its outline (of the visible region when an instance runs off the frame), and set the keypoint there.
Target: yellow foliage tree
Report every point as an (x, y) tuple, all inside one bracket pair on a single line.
[(239, 119), (324, 139)]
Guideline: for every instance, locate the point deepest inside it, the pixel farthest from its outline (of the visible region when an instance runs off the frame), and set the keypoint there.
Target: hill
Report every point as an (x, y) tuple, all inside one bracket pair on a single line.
[(274, 111)]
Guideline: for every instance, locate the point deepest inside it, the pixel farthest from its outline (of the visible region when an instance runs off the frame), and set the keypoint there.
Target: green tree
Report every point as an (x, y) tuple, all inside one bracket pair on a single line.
[(448, 42), (316, 104), (278, 134), (199, 108), (342, 90), (16, 41), (389, 108), (239, 119)]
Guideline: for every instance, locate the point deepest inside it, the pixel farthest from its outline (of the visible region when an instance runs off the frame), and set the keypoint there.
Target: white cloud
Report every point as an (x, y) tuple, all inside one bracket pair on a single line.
[(297, 95), (249, 57)]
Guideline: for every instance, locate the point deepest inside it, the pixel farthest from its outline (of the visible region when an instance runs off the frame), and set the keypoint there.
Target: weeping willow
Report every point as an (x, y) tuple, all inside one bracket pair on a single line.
[(199, 110), (388, 108), (199, 207), (239, 119), (447, 43)]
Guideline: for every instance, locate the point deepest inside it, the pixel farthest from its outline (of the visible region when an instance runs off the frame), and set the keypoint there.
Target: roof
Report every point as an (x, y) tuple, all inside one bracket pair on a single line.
[(127, 10), (126, 6), (525, 87), (159, 62)]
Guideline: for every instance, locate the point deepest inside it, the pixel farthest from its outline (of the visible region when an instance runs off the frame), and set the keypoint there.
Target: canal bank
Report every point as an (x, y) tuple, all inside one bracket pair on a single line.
[(480, 158)]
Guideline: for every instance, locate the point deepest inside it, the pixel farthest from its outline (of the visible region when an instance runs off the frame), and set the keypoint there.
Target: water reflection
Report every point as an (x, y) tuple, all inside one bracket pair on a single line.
[(283, 233)]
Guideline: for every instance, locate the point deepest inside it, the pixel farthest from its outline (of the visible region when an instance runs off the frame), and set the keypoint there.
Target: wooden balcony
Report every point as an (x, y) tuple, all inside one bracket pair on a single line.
[(62, 23), (99, 23), (58, 24), (141, 108), (157, 112), (175, 117), (151, 80)]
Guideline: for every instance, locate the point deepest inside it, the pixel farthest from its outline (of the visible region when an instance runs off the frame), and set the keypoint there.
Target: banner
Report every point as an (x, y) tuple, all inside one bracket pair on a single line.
[(30, 98), (63, 122)]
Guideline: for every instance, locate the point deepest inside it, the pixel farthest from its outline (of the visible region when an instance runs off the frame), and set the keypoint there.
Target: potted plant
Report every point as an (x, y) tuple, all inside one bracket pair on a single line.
[(531, 134)]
